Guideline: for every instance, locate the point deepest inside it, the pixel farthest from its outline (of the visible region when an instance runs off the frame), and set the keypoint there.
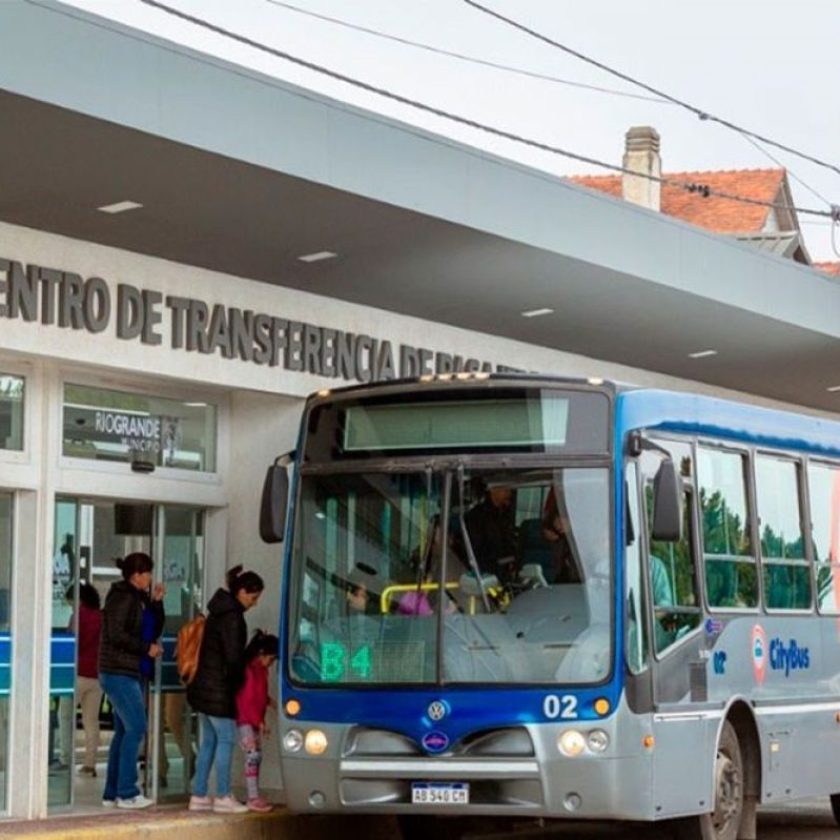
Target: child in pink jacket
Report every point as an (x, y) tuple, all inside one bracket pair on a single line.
[(252, 701)]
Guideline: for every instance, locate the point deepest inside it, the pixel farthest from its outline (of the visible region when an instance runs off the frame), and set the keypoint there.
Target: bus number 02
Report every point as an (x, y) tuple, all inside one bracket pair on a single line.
[(564, 707)]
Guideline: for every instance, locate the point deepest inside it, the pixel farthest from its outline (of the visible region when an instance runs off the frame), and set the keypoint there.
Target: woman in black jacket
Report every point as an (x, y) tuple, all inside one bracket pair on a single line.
[(212, 692), (132, 621)]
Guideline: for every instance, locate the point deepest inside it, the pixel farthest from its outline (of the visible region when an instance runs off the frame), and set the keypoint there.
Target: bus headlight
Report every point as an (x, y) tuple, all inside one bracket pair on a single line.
[(316, 742), (598, 740), (571, 743), (292, 740)]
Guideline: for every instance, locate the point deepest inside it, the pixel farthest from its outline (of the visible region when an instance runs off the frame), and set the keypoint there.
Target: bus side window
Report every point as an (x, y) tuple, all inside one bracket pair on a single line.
[(824, 492), (785, 571), (673, 583), (729, 558), (672, 566)]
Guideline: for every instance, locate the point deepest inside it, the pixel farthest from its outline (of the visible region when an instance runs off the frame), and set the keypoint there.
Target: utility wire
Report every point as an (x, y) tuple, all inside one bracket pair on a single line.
[(463, 57), (702, 189), (698, 112), (790, 172)]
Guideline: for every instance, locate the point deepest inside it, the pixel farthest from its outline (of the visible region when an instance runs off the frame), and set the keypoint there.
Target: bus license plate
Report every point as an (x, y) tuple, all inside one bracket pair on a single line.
[(427, 793)]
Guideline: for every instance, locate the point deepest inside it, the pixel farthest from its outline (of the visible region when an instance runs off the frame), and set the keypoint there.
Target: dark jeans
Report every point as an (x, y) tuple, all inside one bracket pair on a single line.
[(126, 696)]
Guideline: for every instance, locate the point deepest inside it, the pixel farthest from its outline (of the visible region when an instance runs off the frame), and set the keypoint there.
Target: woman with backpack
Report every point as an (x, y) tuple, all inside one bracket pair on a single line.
[(132, 621), (212, 691)]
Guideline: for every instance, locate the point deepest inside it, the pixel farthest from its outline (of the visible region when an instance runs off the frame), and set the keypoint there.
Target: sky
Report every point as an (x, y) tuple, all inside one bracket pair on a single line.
[(766, 65)]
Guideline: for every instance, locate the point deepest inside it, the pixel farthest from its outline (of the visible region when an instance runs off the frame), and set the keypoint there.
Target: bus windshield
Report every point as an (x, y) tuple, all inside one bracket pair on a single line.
[(452, 575)]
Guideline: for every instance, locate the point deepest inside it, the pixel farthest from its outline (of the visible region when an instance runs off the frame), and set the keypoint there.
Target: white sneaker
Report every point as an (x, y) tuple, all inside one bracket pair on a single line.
[(228, 805), (135, 803), (200, 803), (109, 803)]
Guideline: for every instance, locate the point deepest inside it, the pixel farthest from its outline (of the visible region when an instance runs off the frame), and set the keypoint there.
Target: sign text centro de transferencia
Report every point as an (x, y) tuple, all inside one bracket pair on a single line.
[(50, 296)]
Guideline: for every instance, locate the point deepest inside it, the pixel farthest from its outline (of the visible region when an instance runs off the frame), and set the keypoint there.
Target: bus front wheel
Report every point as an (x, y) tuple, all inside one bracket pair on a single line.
[(723, 822), (835, 807)]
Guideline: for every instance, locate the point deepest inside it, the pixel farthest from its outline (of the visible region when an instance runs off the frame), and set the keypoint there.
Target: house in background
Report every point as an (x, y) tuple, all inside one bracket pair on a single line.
[(774, 229)]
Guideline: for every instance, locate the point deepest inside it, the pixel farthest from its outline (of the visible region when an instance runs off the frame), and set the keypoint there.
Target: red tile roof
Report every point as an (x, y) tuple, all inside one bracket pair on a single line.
[(721, 215), (832, 268)]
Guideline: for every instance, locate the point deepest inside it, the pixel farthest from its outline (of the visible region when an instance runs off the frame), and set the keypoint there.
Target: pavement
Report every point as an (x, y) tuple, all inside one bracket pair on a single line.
[(176, 821), (808, 819)]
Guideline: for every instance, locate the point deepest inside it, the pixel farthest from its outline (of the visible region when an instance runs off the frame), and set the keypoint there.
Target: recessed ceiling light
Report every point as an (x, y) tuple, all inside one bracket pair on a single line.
[(535, 313), (833, 388), (702, 354), (119, 207), (317, 256)]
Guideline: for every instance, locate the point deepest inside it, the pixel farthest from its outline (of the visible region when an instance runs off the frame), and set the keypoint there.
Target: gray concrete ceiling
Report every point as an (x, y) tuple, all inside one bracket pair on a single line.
[(203, 209)]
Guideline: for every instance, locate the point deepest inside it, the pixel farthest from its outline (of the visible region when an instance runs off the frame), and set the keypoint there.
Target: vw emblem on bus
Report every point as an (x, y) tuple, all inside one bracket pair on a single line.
[(759, 653), (437, 710)]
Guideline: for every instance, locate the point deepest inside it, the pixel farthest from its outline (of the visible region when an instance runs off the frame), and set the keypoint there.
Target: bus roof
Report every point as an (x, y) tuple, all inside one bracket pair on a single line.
[(649, 408), (725, 419)]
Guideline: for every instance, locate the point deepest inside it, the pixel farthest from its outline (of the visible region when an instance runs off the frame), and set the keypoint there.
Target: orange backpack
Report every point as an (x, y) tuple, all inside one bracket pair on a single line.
[(187, 648)]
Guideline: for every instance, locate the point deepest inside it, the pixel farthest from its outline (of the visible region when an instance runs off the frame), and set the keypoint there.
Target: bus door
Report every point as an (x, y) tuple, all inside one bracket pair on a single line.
[(683, 722)]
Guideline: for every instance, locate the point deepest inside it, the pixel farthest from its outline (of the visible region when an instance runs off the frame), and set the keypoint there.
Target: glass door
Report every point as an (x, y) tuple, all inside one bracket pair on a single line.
[(179, 564), (89, 536)]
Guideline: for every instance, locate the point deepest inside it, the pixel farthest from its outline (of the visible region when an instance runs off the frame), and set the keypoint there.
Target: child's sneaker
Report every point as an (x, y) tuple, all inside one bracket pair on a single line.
[(228, 805), (259, 804), (200, 803)]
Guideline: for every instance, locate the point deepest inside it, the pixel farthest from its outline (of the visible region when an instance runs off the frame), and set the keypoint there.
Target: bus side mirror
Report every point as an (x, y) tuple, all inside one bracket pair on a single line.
[(667, 503), (275, 497)]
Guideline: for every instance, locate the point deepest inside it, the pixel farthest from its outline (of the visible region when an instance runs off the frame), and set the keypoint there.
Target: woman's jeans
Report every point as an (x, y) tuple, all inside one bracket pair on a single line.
[(126, 696), (218, 735)]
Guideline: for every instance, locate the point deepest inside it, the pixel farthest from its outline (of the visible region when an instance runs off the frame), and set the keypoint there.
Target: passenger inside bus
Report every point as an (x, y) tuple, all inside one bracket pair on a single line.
[(663, 592), (557, 532), (490, 526), (425, 565), (358, 598)]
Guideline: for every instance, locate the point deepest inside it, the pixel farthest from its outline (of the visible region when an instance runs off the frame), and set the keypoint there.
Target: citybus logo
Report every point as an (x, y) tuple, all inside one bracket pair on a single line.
[(435, 742), (759, 653), (788, 657)]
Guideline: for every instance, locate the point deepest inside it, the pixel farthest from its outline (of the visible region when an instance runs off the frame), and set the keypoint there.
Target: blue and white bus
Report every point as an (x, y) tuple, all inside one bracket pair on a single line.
[(528, 597)]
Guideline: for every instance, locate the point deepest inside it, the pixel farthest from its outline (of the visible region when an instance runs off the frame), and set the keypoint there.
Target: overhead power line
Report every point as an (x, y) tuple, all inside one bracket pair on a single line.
[(698, 112), (701, 189), (756, 145), (521, 71)]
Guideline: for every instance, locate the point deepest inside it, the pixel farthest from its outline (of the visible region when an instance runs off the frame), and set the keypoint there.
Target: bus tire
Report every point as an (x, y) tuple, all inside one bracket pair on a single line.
[(835, 807), (725, 820)]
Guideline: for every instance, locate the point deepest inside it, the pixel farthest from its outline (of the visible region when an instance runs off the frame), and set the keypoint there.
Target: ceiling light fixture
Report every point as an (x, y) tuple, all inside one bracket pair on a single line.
[(119, 207), (535, 313), (317, 256), (702, 354), (833, 388)]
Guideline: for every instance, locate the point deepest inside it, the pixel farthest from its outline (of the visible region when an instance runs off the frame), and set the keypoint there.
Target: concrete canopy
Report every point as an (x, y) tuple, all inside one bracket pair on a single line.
[(243, 174)]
